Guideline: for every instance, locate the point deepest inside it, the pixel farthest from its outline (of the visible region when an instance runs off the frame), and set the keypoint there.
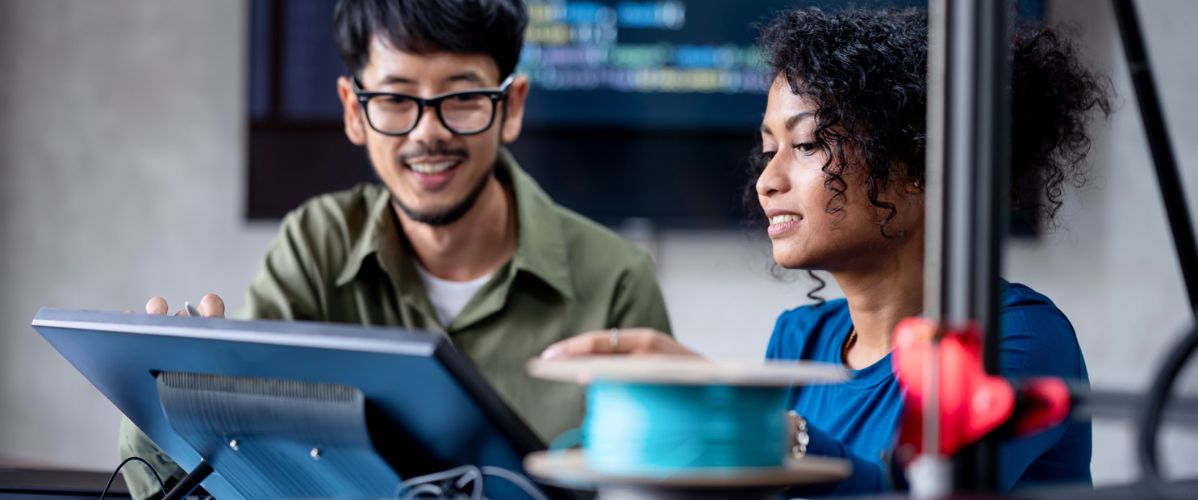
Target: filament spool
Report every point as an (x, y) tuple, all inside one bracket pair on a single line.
[(680, 423), (661, 429)]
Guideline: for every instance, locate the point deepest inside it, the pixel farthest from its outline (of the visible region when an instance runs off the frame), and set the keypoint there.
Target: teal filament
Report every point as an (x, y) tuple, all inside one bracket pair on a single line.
[(664, 429)]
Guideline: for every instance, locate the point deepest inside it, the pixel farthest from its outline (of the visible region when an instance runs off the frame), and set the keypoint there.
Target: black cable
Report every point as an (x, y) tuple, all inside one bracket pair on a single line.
[(1158, 395), (118, 470), (190, 482), (453, 483)]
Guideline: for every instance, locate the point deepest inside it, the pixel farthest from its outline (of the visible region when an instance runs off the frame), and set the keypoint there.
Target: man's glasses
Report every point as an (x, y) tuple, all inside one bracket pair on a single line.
[(467, 112)]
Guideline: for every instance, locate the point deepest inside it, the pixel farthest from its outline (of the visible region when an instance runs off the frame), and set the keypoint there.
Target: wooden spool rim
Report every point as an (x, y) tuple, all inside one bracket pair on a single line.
[(687, 371), (569, 468)]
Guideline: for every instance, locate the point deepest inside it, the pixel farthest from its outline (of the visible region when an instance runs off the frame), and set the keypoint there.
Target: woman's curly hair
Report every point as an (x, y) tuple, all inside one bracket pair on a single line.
[(866, 71)]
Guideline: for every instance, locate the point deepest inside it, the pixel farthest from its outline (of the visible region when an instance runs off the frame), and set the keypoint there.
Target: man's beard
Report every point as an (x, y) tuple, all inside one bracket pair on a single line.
[(454, 212)]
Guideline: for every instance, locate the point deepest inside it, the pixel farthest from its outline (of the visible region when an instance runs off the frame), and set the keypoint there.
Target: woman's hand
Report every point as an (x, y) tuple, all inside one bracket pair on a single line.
[(634, 341)]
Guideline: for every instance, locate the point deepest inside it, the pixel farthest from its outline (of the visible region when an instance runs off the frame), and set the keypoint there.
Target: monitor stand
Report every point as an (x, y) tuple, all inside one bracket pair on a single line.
[(272, 438)]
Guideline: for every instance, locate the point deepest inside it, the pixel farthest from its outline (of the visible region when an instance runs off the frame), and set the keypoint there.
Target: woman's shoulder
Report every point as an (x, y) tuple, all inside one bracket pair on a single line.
[(1024, 309), (814, 313), (797, 331), (1018, 294), (1037, 337)]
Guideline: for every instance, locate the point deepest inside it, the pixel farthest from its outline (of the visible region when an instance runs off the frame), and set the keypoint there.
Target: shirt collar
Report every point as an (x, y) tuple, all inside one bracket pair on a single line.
[(380, 221), (540, 248), (542, 244)]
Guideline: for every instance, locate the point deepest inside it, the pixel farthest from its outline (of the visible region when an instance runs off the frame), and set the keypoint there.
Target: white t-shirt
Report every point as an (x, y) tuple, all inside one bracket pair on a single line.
[(449, 297)]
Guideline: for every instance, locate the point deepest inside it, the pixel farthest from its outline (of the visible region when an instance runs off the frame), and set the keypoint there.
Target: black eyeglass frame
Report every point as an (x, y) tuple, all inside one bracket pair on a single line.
[(495, 95)]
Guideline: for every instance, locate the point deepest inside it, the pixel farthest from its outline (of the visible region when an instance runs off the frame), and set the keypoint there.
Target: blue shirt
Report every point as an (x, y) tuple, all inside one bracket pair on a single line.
[(858, 420)]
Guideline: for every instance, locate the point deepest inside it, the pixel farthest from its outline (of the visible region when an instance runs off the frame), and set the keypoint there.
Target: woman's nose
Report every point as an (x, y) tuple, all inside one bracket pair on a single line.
[(772, 179)]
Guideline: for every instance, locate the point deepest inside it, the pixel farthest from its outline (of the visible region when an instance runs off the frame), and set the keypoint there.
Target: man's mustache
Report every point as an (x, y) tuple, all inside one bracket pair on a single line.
[(438, 150)]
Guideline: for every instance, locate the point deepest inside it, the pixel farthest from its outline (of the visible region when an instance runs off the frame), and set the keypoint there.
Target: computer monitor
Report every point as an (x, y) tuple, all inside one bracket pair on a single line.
[(287, 409)]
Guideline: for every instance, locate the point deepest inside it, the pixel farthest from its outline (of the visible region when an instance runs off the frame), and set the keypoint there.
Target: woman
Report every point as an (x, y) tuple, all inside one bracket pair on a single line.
[(839, 178)]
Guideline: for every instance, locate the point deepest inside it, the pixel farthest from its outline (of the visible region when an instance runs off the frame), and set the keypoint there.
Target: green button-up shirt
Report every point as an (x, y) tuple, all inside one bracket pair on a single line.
[(343, 258)]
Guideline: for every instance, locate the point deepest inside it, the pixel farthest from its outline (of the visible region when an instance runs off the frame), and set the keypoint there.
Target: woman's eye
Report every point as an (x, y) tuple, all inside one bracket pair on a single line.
[(768, 155), (806, 147)]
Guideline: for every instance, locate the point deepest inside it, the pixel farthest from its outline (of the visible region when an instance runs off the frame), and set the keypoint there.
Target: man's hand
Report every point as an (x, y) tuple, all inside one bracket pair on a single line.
[(211, 306), (634, 341)]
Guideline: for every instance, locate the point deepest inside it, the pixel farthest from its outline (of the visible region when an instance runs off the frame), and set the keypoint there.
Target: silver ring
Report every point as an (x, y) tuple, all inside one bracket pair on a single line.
[(613, 340)]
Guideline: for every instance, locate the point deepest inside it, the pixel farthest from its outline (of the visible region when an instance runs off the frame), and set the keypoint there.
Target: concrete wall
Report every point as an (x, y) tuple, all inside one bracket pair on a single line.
[(122, 150), (1112, 267), (122, 175)]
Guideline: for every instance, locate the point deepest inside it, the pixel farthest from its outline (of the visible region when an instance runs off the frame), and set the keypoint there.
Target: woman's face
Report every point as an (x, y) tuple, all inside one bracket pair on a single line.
[(795, 199)]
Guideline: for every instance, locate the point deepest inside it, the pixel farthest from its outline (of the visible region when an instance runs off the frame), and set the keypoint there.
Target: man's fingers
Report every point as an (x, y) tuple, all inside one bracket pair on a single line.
[(157, 305), (211, 306)]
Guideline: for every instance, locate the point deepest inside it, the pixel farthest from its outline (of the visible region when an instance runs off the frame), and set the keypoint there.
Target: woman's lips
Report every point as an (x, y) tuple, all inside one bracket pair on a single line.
[(782, 224)]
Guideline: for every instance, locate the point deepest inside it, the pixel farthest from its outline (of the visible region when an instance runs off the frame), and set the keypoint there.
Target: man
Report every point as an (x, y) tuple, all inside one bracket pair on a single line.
[(458, 239)]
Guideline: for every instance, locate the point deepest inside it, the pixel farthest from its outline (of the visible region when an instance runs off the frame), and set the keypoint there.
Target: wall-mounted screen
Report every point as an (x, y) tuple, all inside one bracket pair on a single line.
[(638, 109)]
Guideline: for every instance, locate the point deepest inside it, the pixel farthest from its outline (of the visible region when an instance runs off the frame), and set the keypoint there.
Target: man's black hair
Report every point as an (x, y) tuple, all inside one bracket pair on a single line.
[(491, 27)]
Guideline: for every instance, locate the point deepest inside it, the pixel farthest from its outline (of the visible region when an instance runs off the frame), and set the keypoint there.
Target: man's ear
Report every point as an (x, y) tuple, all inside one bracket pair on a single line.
[(355, 124), (517, 93)]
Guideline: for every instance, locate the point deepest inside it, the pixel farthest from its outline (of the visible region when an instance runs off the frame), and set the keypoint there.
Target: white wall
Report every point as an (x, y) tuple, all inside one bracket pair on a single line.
[(122, 137), (122, 149), (1112, 268)]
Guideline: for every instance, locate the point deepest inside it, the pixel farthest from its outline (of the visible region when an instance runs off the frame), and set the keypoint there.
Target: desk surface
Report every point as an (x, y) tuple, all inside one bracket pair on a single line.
[(43, 484)]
